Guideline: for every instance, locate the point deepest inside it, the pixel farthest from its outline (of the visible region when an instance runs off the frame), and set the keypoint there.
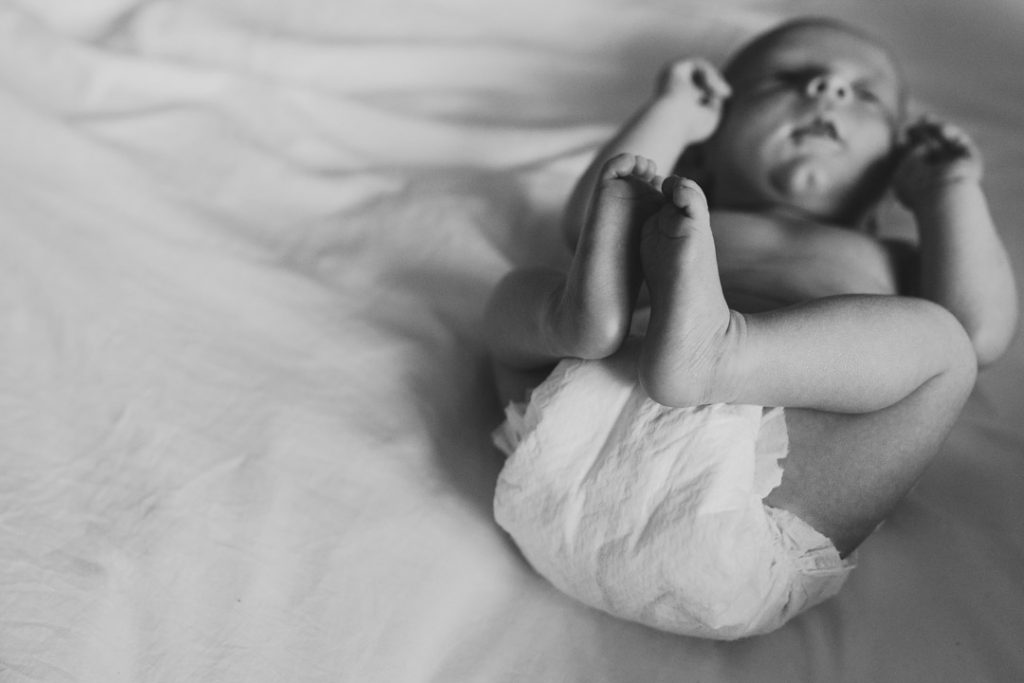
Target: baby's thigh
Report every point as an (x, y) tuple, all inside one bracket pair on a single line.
[(846, 472)]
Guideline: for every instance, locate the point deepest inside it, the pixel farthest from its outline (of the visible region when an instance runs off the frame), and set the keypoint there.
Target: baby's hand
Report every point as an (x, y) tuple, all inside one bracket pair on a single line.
[(936, 155), (700, 84)]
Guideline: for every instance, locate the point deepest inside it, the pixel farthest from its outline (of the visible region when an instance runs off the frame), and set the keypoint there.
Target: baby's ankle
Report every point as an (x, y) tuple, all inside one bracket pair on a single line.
[(703, 373), (726, 378)]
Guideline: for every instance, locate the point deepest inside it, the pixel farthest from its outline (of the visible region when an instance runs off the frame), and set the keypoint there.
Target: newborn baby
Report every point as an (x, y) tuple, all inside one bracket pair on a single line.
[(697, 340)]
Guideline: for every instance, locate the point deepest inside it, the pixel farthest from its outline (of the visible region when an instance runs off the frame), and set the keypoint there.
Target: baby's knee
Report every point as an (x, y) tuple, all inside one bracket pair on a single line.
[(942, 330), (963, 364)]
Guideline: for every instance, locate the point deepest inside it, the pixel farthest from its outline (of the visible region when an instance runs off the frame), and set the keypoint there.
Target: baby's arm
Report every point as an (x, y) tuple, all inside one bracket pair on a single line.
[(964, 265), (684, 110)]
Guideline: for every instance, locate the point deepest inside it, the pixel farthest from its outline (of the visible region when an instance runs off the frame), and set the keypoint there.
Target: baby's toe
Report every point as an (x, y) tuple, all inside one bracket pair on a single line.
[(618, 166), (687, 196), (625, 164)]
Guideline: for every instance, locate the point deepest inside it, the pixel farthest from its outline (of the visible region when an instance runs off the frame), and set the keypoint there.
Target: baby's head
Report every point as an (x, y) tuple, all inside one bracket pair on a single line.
[(812, 126)]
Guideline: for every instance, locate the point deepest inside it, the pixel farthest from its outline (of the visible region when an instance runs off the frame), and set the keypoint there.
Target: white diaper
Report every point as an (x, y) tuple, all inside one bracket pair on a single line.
[(655, 514)]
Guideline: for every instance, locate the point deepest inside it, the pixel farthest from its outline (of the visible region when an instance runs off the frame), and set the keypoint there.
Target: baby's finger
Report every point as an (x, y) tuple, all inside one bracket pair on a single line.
[(675, 73), (930, 126), (944, 141), (932, 147), (713, 87), (958, 139), (713, 78), (914, 138), (923, 129), (940, 141), (915, 153), (945, 132)]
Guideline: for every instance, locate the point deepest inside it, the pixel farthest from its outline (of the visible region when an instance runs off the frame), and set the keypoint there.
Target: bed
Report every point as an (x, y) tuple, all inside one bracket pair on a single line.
[(245, 402)]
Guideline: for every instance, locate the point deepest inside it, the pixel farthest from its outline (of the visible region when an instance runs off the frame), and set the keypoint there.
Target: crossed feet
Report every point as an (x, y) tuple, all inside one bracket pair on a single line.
[(644, 227)]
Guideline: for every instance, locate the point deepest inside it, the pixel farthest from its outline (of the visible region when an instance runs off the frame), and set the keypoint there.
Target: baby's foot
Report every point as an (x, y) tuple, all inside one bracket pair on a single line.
[(628, 191), (691, 324), (605, 277)]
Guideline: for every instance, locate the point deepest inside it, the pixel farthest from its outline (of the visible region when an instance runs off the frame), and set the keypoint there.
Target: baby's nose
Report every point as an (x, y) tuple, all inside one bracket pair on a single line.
[(829, 85)]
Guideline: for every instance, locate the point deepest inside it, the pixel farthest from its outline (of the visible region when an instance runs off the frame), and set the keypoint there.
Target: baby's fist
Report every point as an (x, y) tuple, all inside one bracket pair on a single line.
[(699, 83), (936, 155)]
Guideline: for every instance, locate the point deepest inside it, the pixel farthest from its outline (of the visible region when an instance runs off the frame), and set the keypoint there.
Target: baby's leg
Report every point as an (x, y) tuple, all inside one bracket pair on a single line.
[(882, 379), (538, 316), (847, 354), (846, 472)]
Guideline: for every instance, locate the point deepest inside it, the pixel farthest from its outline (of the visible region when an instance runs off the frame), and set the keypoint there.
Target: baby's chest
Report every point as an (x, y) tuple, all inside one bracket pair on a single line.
[(777, 262)]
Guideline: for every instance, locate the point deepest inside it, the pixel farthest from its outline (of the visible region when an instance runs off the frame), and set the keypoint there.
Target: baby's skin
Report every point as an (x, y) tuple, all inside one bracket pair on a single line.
[(698, 350), (775, 297)]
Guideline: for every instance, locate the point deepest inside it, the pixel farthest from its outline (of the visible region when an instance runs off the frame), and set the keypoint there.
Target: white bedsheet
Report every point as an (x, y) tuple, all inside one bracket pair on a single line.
[(245, 406)]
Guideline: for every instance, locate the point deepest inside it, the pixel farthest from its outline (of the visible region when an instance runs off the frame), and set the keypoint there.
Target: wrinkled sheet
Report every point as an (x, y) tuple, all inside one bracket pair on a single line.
[(245, 404)]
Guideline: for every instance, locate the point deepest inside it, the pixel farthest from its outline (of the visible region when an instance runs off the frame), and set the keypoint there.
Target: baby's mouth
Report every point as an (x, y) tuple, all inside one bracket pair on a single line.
[(819, 128)]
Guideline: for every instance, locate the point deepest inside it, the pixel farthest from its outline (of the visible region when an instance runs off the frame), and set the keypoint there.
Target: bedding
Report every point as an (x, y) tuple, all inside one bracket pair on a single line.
[(246, 407)]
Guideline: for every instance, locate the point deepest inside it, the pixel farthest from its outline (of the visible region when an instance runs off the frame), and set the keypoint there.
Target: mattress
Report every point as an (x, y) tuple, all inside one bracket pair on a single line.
[(245, 399)]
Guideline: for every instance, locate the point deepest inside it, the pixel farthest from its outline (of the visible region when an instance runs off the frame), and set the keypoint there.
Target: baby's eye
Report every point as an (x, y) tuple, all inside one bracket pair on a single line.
[(866, 93), (794, 79)]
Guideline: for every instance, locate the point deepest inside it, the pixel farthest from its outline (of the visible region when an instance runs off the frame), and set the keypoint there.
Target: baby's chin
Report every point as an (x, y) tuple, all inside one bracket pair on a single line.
[(806, 186)]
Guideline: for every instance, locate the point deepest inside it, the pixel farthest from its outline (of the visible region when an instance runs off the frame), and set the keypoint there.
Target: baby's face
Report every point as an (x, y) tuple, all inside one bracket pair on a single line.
[(811, 127)]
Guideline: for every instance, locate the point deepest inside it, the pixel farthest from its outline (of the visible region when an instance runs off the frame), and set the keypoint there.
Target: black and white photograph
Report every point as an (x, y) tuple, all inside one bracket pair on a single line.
[(466, 341)]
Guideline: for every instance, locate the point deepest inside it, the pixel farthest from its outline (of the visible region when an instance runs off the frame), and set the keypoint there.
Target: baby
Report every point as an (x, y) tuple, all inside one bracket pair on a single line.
[(695, 348)]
